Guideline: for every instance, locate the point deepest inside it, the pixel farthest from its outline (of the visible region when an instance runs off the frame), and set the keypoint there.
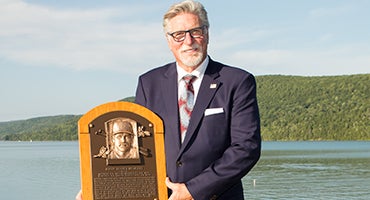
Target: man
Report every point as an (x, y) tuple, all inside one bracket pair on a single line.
[(221, 143), (208, 157), (122, 139)]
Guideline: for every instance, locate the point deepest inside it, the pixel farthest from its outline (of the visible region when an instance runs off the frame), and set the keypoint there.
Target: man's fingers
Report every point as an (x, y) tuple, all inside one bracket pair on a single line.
[(169, 183), (79, 195)]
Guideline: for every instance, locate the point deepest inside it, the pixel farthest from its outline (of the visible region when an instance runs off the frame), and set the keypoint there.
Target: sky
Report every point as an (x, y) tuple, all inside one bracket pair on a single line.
[(67, 57)]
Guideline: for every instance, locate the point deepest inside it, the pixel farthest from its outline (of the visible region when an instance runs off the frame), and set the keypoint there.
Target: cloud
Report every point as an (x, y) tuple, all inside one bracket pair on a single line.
[(119, 39), (326, 37), (331, 11), (331, 61), (239, 36), (105, 38)]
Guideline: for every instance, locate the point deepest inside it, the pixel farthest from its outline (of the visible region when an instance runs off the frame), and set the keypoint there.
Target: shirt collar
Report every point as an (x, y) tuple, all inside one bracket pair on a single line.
[(198, 72)]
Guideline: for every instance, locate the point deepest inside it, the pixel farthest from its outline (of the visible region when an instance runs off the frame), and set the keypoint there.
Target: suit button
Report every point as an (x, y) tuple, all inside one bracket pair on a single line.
[(214, 197), (179, 163)]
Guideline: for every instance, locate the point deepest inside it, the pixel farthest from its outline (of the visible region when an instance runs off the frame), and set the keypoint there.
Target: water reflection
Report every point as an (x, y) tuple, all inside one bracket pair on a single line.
[(317, 170)]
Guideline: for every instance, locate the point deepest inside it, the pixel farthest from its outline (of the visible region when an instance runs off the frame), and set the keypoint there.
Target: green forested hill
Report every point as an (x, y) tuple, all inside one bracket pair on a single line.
[(291, 108), (62, 127), (315, 108)]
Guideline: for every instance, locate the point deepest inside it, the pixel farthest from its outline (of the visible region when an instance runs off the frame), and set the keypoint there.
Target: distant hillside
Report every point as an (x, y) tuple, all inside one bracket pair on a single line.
[(315, 108), (291, 108), (62, 127)]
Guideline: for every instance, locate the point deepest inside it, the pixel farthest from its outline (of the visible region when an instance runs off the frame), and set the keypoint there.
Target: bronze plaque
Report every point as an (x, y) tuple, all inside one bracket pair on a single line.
[(122, 153)]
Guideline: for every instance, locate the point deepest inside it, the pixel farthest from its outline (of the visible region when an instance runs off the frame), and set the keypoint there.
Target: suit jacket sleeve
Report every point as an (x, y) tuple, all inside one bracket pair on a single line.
[(140, 97)]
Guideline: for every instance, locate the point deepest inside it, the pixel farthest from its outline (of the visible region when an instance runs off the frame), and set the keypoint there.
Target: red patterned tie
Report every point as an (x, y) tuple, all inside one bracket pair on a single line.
[(186, 102)]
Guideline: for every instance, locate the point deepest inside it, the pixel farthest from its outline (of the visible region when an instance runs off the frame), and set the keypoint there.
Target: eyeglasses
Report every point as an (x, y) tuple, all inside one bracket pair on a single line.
[(180, 36)]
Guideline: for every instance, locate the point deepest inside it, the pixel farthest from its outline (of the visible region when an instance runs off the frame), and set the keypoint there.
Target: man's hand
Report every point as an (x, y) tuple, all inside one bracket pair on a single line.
[(179, 191), (79, 195)]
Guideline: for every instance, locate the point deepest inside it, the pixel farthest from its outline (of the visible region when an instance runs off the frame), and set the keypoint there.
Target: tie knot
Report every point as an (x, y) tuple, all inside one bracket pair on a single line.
[(189, 78)]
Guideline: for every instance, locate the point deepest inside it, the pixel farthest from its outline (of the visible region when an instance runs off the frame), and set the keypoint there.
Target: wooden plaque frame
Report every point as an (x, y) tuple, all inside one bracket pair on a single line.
[(88, 148)]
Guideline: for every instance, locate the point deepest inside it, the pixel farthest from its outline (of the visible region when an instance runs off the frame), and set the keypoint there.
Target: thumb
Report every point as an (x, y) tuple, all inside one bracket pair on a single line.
[(169, 183)]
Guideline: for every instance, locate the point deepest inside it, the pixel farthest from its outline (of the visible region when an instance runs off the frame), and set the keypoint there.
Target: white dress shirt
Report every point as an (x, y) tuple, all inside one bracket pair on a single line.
[(198, 72)]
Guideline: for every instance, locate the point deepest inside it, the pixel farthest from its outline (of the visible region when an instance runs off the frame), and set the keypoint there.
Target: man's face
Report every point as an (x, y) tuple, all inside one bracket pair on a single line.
[(122, 142), (191, 52)]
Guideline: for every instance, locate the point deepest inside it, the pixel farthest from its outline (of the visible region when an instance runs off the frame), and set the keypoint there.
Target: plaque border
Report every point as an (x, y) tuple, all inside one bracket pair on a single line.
[(85, 148)]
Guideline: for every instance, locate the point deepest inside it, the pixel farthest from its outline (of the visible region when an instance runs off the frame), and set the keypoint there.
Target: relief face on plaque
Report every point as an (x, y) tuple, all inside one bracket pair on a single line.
[(122, 146), (122, 139)]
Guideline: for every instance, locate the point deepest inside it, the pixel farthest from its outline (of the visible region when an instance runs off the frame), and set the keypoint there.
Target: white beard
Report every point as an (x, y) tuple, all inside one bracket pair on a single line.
[(194, 60)]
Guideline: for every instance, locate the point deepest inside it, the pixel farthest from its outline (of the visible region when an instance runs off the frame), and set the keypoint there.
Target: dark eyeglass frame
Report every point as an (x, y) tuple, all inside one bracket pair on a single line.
[(202, 29)]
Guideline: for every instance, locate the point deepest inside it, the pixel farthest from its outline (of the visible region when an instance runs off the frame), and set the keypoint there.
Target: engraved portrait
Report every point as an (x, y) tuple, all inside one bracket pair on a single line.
[(122, 138)]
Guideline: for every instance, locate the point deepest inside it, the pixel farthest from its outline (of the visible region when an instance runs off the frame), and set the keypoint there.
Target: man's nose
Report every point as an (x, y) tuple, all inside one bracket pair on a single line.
[(188, 39)]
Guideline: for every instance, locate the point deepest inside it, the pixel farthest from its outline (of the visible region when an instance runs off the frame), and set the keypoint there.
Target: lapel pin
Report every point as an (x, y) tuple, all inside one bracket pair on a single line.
[(213, 86)]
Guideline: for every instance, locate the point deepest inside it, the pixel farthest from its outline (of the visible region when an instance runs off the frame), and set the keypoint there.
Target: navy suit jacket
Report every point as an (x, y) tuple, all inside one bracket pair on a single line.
[(220, 147)]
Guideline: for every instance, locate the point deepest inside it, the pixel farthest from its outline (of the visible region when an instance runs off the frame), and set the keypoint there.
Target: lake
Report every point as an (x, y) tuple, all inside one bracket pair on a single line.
[(287, 170)]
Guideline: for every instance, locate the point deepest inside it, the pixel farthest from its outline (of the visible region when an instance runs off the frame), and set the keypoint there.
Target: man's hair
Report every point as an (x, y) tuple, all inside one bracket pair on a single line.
[(187, 6)]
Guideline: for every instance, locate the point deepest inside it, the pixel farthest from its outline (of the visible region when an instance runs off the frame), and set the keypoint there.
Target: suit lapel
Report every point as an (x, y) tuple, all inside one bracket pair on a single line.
[(169, 90), (207, 89)]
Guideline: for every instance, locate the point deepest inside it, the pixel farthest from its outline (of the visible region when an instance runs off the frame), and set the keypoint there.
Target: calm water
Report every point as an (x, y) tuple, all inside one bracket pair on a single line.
[(311, 170), (287, 170)]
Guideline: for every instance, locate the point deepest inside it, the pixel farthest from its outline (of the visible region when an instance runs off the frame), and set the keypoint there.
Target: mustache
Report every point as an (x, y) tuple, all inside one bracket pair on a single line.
[(192, 47)]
